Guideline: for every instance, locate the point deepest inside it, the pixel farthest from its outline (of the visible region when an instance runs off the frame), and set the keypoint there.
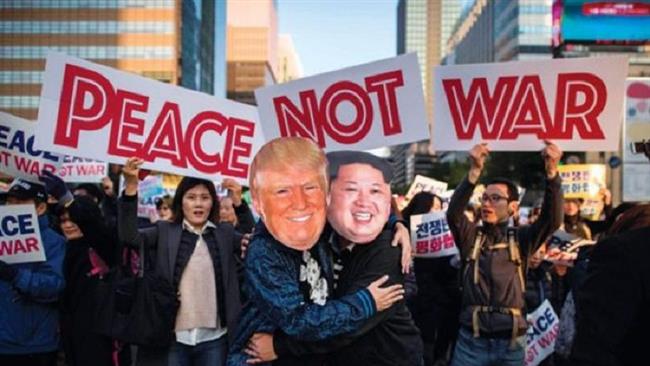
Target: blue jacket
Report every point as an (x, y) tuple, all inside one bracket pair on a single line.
[(29, 314), (276, 297)]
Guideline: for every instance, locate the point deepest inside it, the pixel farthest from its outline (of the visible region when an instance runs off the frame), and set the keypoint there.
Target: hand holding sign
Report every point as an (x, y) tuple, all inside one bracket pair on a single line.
[(130, 171), (477, 156), (551, 154), (234, 190)]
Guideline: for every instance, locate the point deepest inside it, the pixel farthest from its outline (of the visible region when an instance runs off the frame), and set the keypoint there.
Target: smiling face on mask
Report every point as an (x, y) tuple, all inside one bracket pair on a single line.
[(359, 202)]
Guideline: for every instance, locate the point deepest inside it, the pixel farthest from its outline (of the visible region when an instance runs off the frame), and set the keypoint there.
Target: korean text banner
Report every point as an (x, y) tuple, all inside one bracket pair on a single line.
[(576, 103), (362, 107), (431, 237), (97, 112), (582, 180), (20, 235)]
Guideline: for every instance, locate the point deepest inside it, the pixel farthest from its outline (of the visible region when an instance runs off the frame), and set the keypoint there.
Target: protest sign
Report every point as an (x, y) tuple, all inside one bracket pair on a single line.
[(431, 237), (422, 183), (582, 180), (356, 108), (576, 103), (563, 248), (637, 118), (20, 235), (82, 170), (543, 326), (635, 182), (19, 158), (149, 189), (97, 112), (18, 155), (592, 208)]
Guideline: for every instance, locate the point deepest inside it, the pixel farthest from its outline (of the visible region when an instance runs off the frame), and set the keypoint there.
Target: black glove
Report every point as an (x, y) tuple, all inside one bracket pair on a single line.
[(7, 272), (54, 185)]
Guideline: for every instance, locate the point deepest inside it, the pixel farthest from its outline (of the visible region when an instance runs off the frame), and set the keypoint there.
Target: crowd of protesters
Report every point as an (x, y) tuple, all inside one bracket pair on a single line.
[(320, 278)]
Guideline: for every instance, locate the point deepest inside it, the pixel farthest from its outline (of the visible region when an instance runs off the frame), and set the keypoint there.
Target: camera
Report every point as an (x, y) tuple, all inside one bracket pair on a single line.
[(642, 147)]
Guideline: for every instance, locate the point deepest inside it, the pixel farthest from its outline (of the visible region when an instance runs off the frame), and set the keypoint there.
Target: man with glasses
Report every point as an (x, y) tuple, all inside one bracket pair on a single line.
[(494, 253)]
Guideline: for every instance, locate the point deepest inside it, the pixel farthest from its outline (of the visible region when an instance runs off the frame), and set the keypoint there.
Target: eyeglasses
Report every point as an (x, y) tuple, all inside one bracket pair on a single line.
[(493, 198)]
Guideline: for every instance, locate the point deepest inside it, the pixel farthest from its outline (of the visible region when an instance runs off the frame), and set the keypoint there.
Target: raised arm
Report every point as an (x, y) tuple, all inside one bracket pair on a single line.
[(127, 209)]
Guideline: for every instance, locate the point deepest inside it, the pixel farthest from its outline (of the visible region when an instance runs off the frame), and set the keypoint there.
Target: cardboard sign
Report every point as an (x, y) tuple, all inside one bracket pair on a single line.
[(422, 183), (637, 118), (543, 326), (635, 182), (431, 237), (97, 112), (20, 235), (82, 170), (576, 103), (19, 156), (582, 180), (357, 108)]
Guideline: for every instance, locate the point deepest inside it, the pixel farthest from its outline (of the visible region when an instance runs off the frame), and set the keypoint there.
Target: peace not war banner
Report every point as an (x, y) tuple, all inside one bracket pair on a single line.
[(431, 236), (543, 327), (20, 158), (514, 106), (20, 235), (97, 112), (356, 108)]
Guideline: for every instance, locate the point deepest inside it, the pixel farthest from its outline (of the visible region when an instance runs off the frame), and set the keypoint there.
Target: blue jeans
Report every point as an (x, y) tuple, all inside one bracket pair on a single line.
[(481, 351), (211, 353)]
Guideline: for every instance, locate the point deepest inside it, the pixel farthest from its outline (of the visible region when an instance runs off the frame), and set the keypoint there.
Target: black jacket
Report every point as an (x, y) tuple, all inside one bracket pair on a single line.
[(163, 241), (389, 337), (614, 303), (498, 285)]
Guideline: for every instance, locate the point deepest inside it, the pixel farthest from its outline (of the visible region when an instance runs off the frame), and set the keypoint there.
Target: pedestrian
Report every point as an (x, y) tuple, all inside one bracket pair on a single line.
[(199, 258), (29, 292), (492, 318)]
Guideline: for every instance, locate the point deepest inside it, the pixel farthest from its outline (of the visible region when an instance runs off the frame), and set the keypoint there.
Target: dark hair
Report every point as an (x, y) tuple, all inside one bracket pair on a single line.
[(185, 185), (633, 217), (513, 192), (92, 189), (162, 200), (421, 203), (86, 214)]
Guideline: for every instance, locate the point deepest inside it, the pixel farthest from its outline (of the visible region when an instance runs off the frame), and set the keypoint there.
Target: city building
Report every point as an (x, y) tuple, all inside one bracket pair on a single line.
[(252, 52), (289, 65), (168, 40), (422, 27)]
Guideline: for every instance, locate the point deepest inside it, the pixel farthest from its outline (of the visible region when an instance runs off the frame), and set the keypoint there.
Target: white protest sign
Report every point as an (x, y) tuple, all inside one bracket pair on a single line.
[(101, 113), (543, 326), (356, 108), (422, 183), (637, 118), (82, 170), (20, 235), (18, 155), (576, 103), (19, 158), (635, 182), (431, 237)]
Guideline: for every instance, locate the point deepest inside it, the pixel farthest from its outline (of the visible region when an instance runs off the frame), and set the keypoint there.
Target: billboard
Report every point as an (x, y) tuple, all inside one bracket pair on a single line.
[(594, 21)]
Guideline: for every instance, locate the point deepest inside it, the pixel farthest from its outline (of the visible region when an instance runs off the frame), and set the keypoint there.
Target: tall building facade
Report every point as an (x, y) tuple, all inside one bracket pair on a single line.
[(522, 30), (422, 27), (139, 36), (252, 47), (289, 65)]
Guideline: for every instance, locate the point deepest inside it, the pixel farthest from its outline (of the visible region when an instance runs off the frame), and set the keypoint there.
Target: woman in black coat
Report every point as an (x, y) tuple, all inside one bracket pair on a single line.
[(90, 250), (199, 258)]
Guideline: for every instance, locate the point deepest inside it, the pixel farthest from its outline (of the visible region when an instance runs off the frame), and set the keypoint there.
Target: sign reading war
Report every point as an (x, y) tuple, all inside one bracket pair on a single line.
[(20, 236), (576, 103), (94, 111), (362, 107)]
